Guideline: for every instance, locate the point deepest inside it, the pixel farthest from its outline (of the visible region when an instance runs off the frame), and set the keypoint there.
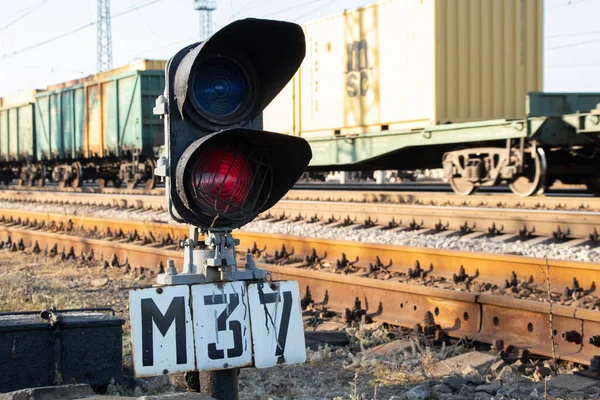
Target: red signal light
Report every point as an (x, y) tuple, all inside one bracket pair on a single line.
[(221, 180)]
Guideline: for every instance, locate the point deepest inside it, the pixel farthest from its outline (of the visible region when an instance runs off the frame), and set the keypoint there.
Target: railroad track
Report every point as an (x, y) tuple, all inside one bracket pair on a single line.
[(481, 297), (533, 225)]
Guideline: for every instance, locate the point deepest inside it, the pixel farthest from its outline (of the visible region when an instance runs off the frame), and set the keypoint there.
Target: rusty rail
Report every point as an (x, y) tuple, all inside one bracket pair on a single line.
[(527, 223), (520, 323), (490, 268), (491, 200), (560, 224)]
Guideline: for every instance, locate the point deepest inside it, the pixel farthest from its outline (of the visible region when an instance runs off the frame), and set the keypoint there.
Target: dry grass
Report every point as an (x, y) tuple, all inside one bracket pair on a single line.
[(32, 282)]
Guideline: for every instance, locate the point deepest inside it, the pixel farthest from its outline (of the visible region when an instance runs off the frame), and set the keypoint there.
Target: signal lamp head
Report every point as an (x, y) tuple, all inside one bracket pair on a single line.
[(222, 89), (229, 79), (227, 181), (227, 178), (222, 169)]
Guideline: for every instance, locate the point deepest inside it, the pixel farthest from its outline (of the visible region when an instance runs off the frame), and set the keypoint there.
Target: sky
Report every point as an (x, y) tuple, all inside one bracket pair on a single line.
[(155, 29)]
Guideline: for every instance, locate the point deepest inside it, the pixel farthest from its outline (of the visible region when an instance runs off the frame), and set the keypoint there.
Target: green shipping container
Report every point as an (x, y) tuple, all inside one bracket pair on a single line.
[(17, 132), (101, 116)]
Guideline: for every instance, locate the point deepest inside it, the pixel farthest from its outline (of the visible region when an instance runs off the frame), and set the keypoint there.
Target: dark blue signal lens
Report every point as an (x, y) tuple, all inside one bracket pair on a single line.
[(220, 88)]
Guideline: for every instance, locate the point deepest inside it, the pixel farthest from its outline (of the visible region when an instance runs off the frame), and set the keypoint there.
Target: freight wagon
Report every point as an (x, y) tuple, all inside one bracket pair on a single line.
[(100, 128), (452, 84)]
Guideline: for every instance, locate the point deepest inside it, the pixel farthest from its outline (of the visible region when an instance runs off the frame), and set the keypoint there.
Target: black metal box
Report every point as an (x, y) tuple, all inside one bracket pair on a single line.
[(59, 346)]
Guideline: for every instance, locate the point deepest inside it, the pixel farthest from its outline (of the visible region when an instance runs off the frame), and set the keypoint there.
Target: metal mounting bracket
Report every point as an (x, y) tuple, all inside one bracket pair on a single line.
[(215, 262)]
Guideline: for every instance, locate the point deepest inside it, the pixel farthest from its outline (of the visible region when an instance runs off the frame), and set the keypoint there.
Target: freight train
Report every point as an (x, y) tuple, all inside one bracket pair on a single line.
[(99, 128), (397, 85), (431, 84)]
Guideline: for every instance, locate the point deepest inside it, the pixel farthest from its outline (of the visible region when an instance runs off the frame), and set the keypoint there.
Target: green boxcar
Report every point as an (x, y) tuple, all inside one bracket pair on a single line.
[(101, 117), (17, 132), (59, 123)]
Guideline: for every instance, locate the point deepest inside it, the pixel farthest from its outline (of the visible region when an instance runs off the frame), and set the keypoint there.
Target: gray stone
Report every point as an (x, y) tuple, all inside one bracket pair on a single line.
[(455, 382), (593, 390), (505, 391), (312, 398), (466, 391), (557, 393), (177, 396), (333, 395), (472, 375), (50, 393), (508, 376), (98, 397), (476, 359), (534, 393), (441, 388), (571, 383), (420, 392), (490, 388)]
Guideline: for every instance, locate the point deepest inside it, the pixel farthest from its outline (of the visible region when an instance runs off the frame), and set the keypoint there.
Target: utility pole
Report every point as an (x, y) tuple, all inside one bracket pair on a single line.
[(205, 7), (104, 37)]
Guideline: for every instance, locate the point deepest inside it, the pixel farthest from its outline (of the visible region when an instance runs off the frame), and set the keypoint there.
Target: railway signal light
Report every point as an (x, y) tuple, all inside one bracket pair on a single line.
[(221, 169)]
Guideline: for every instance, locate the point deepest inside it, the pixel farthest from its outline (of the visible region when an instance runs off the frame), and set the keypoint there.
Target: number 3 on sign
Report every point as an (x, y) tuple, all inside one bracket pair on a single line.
[(277, 329), (221, 325)]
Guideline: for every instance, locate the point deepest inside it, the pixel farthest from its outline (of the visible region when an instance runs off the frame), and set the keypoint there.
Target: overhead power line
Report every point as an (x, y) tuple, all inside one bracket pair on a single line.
[(20, 17), (52, 39)]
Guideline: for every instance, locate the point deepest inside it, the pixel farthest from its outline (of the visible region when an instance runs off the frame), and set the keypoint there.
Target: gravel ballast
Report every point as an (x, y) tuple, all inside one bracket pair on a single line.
[(404, 238)]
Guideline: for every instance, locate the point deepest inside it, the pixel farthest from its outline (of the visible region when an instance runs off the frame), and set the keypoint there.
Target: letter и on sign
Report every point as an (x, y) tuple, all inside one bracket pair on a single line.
[(161, 330), (221, 325), (277, 329)]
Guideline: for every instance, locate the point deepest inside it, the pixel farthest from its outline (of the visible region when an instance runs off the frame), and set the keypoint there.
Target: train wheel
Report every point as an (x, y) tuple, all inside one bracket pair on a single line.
[(76, 170), (531, 180), (462, 186), (41, 182), (101, 182), (117, 182), (593, 184), (149, 166)]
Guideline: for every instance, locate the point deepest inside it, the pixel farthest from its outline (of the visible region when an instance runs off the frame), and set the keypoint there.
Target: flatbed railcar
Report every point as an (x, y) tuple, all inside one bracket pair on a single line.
[(428, 84), (100, 128), (559, 139)]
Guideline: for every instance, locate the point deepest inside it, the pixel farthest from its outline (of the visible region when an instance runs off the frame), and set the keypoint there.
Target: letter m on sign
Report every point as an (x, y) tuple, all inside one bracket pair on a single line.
[(152, 315), (161, 330)]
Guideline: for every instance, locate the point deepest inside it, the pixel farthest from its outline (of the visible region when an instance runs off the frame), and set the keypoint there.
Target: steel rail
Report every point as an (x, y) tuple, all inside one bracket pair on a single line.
[(490, 200), (525, 222), (495, 200), (521, 323), (488, 268), (571, 224)]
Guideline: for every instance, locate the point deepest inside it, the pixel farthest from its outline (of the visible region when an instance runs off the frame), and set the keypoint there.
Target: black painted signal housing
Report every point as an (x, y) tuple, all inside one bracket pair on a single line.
[(222, 169)]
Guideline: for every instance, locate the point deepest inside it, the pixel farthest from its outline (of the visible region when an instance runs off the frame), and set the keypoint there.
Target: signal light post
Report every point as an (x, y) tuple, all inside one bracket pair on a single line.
[(221, 170)]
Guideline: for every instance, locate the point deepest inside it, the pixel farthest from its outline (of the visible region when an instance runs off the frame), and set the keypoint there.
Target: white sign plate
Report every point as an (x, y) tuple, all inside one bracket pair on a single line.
[(277, 329), (161, 330), (221, 325)]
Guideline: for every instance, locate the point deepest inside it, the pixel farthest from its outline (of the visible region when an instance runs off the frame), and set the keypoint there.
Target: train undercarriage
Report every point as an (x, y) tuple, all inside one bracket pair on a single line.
[(130, 170), (527, 168)]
